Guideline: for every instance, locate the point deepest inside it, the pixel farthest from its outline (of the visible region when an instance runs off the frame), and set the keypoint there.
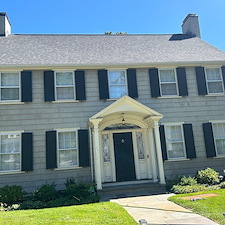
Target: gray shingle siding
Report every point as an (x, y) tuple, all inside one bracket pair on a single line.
[(39, 116)]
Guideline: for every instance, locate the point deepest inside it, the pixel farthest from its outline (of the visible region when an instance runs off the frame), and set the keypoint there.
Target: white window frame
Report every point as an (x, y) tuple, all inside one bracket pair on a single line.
[(175, 82), (183, 141), (215, 143), (207, 82), (62, 86), (2, 87), (109, 85), (57, 146), (20, 150)]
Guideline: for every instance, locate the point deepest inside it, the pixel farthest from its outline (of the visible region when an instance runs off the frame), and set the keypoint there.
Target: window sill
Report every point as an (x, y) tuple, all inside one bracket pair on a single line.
[(11, 103), (65, 101), (11, 172), (112, 99), (214, 95), (68, 168), (219, 157), (172, 96), (178, 159)]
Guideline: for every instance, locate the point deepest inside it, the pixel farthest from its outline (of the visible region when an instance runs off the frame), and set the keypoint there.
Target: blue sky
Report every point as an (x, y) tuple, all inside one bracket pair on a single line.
[(131, 16)]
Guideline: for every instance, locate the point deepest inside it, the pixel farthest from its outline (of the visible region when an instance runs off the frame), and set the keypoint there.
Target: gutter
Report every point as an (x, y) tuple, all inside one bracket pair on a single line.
[(108, 65)]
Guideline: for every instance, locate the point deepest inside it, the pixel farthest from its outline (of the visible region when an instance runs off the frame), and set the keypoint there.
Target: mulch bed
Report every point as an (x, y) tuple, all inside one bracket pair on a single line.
[(200, 196)]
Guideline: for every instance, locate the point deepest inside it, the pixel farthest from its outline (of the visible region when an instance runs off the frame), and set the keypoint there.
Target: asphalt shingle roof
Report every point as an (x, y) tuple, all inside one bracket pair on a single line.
[(103, 50)]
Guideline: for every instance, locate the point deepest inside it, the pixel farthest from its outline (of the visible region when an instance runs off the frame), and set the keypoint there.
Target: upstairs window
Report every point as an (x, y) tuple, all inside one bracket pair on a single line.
[(168, 82), (214, 81), (117, 83), (175, 141), (65, 85), (10, 86)]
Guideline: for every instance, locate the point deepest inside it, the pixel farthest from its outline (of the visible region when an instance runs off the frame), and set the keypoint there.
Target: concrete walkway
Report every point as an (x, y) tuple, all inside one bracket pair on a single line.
[(156, 209)]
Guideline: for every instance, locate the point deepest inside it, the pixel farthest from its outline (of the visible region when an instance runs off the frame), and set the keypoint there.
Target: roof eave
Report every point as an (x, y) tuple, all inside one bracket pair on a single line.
[(109, 65)]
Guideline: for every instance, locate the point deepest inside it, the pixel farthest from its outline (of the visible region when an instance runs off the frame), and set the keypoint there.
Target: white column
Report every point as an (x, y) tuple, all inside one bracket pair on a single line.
[(96, 150), (159, 153), (153, 155)]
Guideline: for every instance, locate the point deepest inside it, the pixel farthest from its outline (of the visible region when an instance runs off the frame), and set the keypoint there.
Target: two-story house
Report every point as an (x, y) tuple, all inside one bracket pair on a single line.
[(109, 108)]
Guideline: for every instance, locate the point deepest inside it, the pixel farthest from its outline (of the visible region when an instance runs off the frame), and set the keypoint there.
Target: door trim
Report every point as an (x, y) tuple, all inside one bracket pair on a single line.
[(112, 165)]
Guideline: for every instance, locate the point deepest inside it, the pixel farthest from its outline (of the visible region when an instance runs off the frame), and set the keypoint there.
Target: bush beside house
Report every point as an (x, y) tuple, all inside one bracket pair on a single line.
[(207, 179), (46, 196)]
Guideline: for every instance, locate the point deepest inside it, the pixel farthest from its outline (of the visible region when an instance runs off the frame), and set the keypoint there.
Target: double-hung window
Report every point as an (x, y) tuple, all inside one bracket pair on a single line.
[(65, 85), (168, 82), (219, 138), (10, 86), (175, 144), (10, 152), (214, 81), (67, 149), (117, 83)]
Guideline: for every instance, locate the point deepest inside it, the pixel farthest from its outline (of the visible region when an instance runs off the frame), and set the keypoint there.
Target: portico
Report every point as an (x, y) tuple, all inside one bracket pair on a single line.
[(126, 143)]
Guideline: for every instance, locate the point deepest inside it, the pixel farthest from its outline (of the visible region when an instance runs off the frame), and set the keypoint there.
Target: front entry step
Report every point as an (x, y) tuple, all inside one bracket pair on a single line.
[(130, 190)]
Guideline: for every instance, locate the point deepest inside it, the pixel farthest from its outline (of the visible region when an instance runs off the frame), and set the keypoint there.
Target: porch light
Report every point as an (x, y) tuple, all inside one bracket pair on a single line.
[(123, 121), (143, 222)]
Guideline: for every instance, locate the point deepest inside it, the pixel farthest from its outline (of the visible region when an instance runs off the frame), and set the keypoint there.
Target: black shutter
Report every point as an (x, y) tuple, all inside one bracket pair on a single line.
[(84, 159), (27, 151), (189, 141), (80, 85), (26, 86), (132, 83), (163, 142), (201, 81), (182, 81), (223, 74), (103, 84), (51, 154), (209, 140), (49, 86), (154, 82)]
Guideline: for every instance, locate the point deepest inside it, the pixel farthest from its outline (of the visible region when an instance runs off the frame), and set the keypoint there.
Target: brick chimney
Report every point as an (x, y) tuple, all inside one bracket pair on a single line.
[(191, 26), (5, 27)]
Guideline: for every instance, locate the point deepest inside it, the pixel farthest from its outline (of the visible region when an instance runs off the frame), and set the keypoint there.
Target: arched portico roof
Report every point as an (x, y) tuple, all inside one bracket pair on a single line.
[(128, 108)]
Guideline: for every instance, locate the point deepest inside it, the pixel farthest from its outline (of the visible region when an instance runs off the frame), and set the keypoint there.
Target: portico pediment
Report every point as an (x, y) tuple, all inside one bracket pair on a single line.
[(127, 106)]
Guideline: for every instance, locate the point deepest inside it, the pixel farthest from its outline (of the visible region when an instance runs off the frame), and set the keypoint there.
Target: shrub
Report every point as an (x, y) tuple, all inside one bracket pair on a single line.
[(184, 181), (33, 205), (173, 181), (46, 193), (11, 194), (80, 191), (213, 187), (208, 176), (69, 181), (178, 189), (222, 185)]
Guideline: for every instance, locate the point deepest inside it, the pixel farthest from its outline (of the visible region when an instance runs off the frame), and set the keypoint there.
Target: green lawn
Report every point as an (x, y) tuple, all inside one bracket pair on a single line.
[(91, 214), (212, 207)]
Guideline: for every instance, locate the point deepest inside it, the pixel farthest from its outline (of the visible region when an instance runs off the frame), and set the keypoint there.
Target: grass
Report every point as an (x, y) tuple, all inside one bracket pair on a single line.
[(211, 207), (99, 213)]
